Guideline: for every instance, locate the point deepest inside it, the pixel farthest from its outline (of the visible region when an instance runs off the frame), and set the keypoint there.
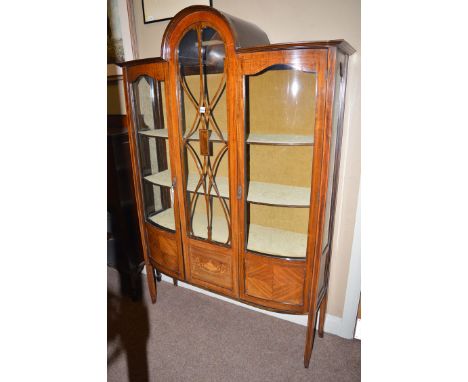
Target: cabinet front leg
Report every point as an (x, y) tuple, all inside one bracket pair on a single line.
[(151, 282), (174, 281), (323, 310), (311, 322)]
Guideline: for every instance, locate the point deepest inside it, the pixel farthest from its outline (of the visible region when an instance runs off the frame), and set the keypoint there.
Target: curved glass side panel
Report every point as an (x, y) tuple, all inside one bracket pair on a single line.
[(331, 166), (148, 113), (279, 139), (202, 83), (332, 173)]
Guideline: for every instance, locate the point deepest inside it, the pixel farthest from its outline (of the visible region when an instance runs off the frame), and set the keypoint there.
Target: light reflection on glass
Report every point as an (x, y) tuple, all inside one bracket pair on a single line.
[(294, 87)]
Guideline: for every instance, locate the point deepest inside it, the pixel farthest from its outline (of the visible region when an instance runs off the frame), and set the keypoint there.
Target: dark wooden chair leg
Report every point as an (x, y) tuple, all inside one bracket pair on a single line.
[(151, 282), (174, 281), (323, 310)]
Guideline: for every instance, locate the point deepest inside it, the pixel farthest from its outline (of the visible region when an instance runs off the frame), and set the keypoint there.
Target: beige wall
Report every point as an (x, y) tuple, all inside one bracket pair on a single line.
[(305, 20)]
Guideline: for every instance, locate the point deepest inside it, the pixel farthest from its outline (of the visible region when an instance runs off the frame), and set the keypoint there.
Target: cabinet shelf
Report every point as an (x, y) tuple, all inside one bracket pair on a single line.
[(280, 139), (276, 242), (163, 178), (278, 194), (164, 219), (259, 192), (219, 232), (259, 139), (272, 241), (161, 133)]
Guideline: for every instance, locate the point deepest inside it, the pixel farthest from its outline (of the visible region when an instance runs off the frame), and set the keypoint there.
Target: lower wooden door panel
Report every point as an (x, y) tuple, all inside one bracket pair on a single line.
[(274, 283), (163, 251), (211, 267)]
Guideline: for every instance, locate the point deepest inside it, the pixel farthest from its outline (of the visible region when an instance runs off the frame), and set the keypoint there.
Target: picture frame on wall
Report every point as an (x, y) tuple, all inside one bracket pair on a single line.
[(161, 10)]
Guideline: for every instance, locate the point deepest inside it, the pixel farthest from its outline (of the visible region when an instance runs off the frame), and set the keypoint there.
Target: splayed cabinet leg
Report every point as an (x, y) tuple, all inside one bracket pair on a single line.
[(323, 311), (311, 322), (174, 281), (151, 282)]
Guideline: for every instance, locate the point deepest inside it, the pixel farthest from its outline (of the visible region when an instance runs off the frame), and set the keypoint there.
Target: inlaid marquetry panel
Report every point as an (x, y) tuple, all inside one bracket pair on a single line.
[(271, 279), (212, 267)]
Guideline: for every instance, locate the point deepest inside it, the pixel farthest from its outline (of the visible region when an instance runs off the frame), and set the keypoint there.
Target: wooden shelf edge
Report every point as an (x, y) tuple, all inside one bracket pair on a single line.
[(280, 139)]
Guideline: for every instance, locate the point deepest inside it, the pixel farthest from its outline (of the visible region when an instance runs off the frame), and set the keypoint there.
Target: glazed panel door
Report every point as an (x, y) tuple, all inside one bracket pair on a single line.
[(281, 140), (206, 138), (204, 131), (154, 175)]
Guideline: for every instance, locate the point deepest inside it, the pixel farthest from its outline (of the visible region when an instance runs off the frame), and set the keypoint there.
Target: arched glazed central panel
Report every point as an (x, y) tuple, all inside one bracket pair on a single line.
[(204, 131)]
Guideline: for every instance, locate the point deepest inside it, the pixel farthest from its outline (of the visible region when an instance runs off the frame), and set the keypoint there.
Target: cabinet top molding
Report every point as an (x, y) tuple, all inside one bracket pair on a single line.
[(342, 45)]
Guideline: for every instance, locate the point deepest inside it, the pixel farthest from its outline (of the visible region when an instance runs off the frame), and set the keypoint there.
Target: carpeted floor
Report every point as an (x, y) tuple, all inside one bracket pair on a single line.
[(188, 336)]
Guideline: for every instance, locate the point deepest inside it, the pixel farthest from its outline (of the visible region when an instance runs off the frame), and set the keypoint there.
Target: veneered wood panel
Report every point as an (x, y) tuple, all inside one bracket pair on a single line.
[(156, 71), (163, 248), (259, 279), (271, 279), (288, 284)]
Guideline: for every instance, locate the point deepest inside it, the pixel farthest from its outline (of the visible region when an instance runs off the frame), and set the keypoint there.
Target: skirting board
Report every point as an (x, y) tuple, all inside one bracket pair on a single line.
[(357, 333), (333, 324)]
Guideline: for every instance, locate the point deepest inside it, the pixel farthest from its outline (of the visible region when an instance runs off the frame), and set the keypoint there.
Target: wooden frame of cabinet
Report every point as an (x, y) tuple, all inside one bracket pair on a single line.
[(171, 237)]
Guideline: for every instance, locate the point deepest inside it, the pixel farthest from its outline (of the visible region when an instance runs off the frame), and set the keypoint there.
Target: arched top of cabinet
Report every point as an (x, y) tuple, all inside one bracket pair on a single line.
[(242, 33)]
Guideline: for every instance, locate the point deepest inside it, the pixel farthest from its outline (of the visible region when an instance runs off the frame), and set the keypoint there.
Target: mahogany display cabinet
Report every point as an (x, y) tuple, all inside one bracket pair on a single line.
[(235, 148)]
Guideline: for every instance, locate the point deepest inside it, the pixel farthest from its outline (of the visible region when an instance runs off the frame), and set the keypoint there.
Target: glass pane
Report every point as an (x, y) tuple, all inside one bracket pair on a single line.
[(279, 231), (336, 111), (204, 130), (279, 123), (281, 102), (149, 103), (323, 265), (326, 236), (281, 165)]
